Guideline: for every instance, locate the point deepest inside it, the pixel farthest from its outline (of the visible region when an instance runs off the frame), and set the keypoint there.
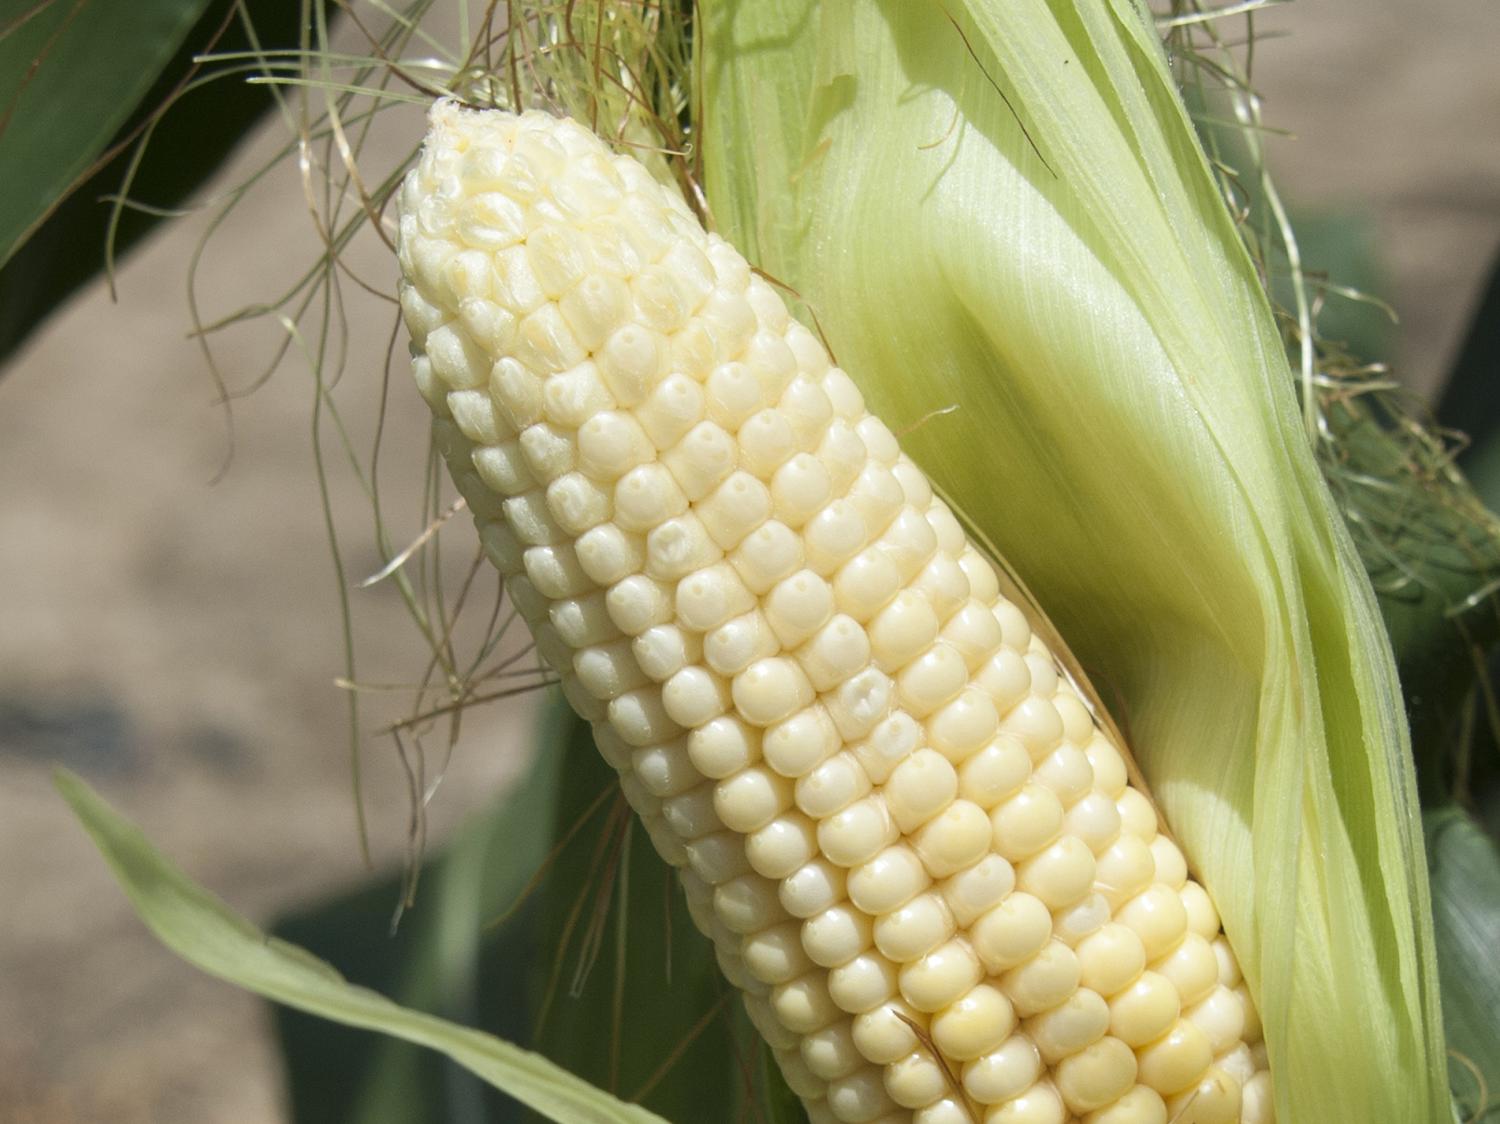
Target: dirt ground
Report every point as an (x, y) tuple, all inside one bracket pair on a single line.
[(172, 634)]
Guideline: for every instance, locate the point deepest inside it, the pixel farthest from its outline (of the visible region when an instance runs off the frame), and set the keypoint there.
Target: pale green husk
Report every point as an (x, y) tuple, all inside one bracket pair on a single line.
[(1002, 207)]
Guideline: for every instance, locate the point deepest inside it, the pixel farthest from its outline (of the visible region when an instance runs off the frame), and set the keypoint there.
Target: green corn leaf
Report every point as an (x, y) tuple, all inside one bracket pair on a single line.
[(206, 933), (1002, 207)]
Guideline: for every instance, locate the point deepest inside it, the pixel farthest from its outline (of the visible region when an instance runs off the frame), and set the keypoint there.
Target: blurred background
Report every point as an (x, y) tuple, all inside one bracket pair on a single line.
[(170, 625)]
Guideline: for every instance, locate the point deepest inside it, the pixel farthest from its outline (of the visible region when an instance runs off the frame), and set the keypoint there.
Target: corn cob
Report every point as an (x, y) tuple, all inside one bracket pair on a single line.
[(915, 851)]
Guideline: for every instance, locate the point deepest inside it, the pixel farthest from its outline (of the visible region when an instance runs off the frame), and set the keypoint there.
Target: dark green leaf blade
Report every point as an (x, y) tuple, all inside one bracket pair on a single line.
[(205, 932)]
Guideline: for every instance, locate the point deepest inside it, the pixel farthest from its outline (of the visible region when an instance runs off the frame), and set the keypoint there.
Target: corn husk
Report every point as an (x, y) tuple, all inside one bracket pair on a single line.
[(1001, 212)]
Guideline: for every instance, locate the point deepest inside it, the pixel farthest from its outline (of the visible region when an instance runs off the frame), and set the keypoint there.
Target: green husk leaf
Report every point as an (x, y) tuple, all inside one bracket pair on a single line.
[(206, 933), (1036, 238)]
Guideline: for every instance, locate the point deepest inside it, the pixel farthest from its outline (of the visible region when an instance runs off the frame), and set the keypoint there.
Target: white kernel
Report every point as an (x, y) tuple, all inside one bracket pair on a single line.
[(955, 838), (770, 690), (838, 651), (843, 454), (531, 521), (734, 509), (831, 786), (833, 536), (1005, 677), (887, 880), (1157, 916), (611, 443), (1035, 722), (858, 832), (891, 741), (884, 1034), (766, 442), (474, 413), (545, 343), (711, 597), (804, 1005), (974, 632), (1012, 932), (813, 887), (863, 984), (752, 798), (503, 468), (658, 303), (1096, 1076), (1192, 969), (783, 845), (876, 496), (860, 1098), (913, 483), (673, 408), (775, 955), (902, 631), (549, 451), (919, 788), (1215, 1099), (912, 930), (723, 747), (1141, 1105), (1086, 916), (836, 935), (640, 719), (637, 602), (607, 554), (1067, 772), (768, 554), (1220, 1016), (975, 891), (916, 1080), (807, 409), (1144, 1010), (962, 727), (608, 670), (830, 1052), (974, 1024), (1059, 875), (1203, 918), (866, 584), (1006, 1071), (730, 320), (1123, 869), (799, 489), (516, 392), (1109, 768), (731, 394), (1078, 1021), (763, 1017), (1042, 982), (647, 496), (1044, 672), (491, 221), (694, 696), (771, 361), (630, 362), (691, 815), (595, 308), (944, 584), (1026, 822), (798, 606), (859, 703), (736, 644), (578, 503), (664, 649), (665, 769), (1176, 1060), (1171, 867), (679, 546), (1095, 820)]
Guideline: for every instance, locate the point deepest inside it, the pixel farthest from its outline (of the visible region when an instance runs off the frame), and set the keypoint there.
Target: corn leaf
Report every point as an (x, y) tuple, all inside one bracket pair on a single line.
[(206, 933), (1002, 207)]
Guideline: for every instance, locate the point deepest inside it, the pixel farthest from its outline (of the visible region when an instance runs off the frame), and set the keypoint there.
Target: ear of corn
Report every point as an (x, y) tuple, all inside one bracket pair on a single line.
[(915, 850), (1036, 230)]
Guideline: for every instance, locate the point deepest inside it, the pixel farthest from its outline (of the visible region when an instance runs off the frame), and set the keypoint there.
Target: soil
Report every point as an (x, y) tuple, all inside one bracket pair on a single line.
[(170, 628)]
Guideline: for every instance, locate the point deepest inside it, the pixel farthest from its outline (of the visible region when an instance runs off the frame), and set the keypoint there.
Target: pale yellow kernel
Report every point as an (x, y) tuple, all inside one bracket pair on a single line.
[(1006, 678), (866, 584), (941, 976), (975, 891), (836, 935), (1044, 981), (1144, 1010), (695, 347), (677, 547), (799, 743), (768, 554), (775, 955), (1258, 1104), (858, 832), (1045, 675), (658, 302), (961, 728), (908, 542), (770, 309), (950, 536), (860, 704), (1096, 1076), (807, 409), (717, 858), (799, 489), (974, 632), (549, 451), (729, 318), (914, 929), (702, 460), (954, 839), (674, 406), (797, 606), (555, 572), (1176, 1060), (1191, 967), (1171, 867), (1111, 959), (859, 1098), (1203, 918), (888, 880), (1123, 870), (770, 690), (902, 631), (931, 680), (631, 363), (804, 1005), (812, 888), (474, 413), (1216, 1099), (831, 785), (916, 1080), (783, 845), (1014, 627), (763, 1018), (734, 509), (607, 671), (663, 650), (1157, 916), (641, 720), (830, 1053), (1137, 817), (799, 1078), (711, 597), (503, 468), (752, 798), (1229, 966), (1006, 1071), (1060, 874), (876, 496), (1220, 1016), (984, 587), (835, 653), (664, 769), (1036, 723), (766, 442), (1012, 932), (832, 536), (1067, 772), (943, 582), (1253, 1031), (613, 748), (1026, 822), (946, 1110), (1082, 919), (1078, 1021), (584, 704), (646, 496), (690, 815), (843, 454), (694, 696), (731, 394), (995, 772), (891, 741), (747, 904), (595, 308), (862, 984), (736, 644), (974, 1024), (531, 521), (1094, 820), (919, 788), (885, 1034), (636, 603), (1040, 1104), (913, 482), (723, 747), (1141, 1105)]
